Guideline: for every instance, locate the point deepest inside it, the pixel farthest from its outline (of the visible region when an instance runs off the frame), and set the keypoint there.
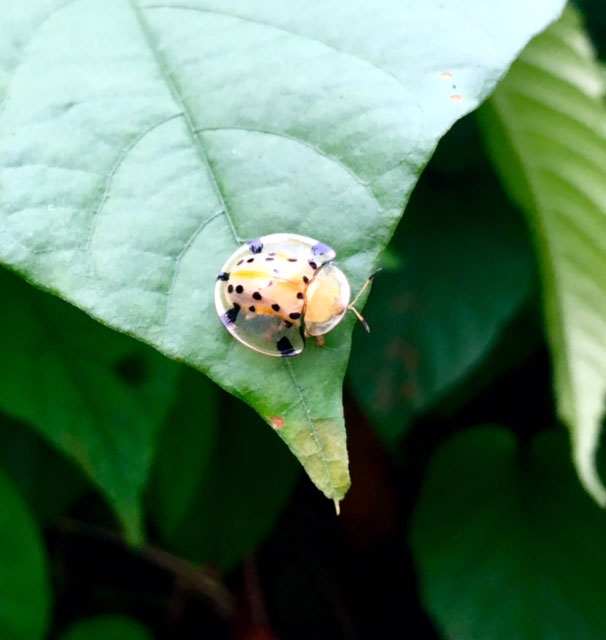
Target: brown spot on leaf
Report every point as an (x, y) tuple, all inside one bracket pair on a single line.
[(277, 422)]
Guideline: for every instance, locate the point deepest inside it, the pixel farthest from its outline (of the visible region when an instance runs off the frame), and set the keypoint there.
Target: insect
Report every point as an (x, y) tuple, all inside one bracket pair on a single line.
[(279, 289)]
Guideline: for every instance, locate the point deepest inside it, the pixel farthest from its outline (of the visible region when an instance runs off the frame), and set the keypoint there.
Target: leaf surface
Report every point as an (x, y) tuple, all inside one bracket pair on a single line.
[(95, 395), (48, 481), (546, 127), (141, 143), (218, 506), (507, 543), (464, 268), (25, 594)]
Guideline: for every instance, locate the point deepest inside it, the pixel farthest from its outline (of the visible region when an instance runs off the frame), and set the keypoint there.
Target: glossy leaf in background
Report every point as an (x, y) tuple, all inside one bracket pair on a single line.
[(97, 396), (546, 128), (108, 627), (595, 22), (141, 143), (184, 452), (219, 507), (465, 268), (507, 543), (48, 481), (25, 596)]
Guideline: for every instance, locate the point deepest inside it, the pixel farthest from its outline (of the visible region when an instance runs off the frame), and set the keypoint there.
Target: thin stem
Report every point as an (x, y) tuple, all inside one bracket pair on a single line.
[(200, 580)]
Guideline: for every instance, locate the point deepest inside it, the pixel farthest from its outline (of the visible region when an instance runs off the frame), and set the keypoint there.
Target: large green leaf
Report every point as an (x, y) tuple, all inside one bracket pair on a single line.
[(96, 395), (105, 628), (507, 543), (140, 144), (24, 586), (465, 268), (218, 506), (546, 126)]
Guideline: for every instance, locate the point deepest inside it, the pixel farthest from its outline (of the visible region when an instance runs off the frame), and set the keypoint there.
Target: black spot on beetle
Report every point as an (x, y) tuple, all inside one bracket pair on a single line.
[(312, 264), (250, 260), (268, 259), (239, 289), (230, 316), (305, 279), (223, 276), (230, 288), (251, 309), (287, 324), (299, 295), (257, 296), (273, 253), (239, 262), (275, 307), (292, 260), (256, 246), (294, 316), (285, 347)]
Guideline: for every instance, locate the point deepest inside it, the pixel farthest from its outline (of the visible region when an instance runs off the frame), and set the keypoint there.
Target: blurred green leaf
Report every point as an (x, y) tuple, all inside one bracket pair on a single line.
[(594, 12), (140, 144), (47, 480), (185, 450), (546, 128), (468, 269), (108, 627), (25, 595), (96, 395), (506, 542), (244, 477)]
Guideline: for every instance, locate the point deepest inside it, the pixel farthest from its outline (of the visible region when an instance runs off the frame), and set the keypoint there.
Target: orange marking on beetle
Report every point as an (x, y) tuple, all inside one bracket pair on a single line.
[(446, 74), (455, 97), (265, 311), (277, 422), (248, 274)]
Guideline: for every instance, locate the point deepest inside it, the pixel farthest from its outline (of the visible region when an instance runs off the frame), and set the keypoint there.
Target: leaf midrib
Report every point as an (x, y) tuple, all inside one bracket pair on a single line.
[(201, 151), (178, 98)]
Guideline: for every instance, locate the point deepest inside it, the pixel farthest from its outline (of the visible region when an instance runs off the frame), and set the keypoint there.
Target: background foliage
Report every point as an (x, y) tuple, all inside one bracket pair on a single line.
[(141, 500)]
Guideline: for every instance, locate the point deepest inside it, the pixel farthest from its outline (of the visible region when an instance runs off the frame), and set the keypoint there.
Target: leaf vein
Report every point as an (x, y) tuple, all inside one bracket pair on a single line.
[(181, 255), (293, 34), (26, 45), (110, 176), (310, 421), (364, 184), (178, 97)]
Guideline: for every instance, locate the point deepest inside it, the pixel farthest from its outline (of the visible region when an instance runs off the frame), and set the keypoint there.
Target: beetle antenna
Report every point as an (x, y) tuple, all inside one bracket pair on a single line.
[(360, 317), (364, 287), (362, 290)]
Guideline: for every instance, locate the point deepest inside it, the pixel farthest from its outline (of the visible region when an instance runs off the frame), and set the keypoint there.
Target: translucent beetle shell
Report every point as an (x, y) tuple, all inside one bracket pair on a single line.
[(276, 290)]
